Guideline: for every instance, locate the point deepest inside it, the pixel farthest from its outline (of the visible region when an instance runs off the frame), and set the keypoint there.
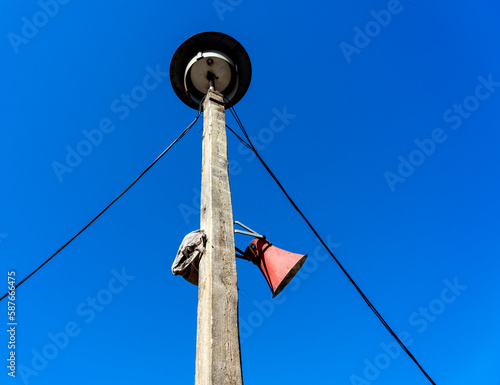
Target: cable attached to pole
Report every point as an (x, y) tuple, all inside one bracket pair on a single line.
[(250, 145), (114, 200)]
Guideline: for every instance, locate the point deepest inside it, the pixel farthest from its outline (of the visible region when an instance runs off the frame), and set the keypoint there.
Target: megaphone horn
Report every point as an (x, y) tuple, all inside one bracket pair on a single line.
[(277, 265)]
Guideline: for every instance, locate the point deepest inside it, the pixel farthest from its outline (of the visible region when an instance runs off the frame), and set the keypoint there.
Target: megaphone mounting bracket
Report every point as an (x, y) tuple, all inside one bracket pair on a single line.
[(250, 232)]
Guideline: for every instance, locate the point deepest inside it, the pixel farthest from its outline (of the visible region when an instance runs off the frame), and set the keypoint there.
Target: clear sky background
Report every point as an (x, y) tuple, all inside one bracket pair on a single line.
[(389, 144)]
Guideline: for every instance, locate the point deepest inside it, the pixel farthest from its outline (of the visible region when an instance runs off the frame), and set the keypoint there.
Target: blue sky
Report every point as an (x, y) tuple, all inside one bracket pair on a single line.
[(389, 144)]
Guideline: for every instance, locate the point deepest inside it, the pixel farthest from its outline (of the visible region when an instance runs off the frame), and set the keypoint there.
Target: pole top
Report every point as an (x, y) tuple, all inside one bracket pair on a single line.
[(210, 59)]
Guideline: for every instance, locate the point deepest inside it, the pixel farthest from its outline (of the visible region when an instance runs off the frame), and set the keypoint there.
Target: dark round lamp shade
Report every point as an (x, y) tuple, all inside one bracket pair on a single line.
[(210, 58)]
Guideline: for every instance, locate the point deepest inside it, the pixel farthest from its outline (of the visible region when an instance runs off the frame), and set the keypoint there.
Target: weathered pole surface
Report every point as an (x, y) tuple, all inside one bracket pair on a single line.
[(218, 360)]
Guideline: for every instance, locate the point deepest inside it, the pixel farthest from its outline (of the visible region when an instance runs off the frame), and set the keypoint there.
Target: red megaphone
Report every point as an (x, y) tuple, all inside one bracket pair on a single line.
[(277, 265)]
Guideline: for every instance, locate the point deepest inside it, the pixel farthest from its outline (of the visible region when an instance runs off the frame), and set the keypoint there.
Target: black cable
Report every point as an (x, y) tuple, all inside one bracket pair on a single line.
[(242, 128), (370, 305), (239, 138), (114, 200)]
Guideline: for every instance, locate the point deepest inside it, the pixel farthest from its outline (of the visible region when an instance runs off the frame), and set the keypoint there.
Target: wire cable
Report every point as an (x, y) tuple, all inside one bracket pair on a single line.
[(239, 138), (114, 200), (368, 302)]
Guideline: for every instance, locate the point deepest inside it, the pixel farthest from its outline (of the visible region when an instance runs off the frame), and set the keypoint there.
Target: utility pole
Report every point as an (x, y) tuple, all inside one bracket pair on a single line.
[(218, 360), (203, 68)]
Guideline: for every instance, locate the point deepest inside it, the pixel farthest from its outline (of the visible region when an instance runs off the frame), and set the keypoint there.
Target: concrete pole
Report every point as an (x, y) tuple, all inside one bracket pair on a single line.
[(218, 360)]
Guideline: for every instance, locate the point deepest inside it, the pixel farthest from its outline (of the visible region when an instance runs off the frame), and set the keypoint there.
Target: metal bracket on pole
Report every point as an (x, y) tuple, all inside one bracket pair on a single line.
[(250, 232)]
